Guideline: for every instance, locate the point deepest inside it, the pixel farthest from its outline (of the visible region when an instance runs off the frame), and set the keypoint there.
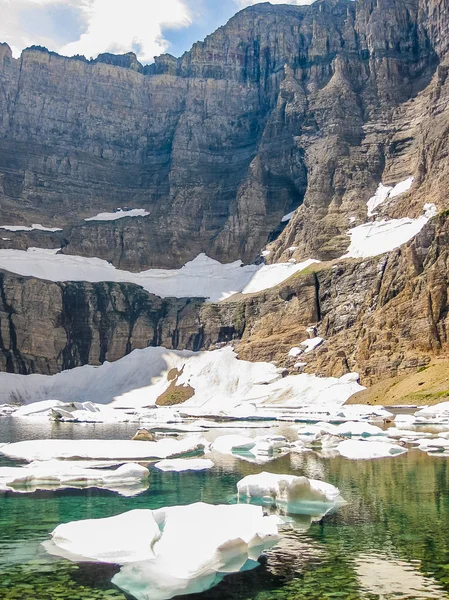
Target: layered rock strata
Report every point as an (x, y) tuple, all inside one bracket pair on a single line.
[(285, 106)]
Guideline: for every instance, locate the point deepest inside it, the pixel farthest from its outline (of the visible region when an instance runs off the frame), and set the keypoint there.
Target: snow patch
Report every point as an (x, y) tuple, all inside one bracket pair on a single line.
[(34, 227), (223, 385), (385, 192), (202, 277), (119, 214), (372, 239), (287, 217)]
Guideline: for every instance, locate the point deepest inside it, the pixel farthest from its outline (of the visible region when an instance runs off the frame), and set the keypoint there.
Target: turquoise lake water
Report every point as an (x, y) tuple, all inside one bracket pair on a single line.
[(391, 539)]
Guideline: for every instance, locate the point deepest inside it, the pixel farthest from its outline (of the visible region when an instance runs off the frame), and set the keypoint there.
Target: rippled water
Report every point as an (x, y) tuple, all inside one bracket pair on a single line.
[(390, 541)]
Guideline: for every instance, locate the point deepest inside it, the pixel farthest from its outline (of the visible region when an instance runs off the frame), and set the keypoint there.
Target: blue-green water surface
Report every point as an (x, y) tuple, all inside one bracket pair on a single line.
[(391, 540)]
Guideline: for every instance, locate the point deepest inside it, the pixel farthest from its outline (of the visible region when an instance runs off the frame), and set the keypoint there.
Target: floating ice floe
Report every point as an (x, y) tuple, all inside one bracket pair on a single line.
[(127, 480), (223, 386), (385, 192), (438, 413), (34, 227), (119, 214), (202, 277), (404, 421), (298, 495), (184, 464), (170, 551), (260, 449), (372, 239), (438, 444), (32, 450), (355, 449), (358, 429), (399, 433)]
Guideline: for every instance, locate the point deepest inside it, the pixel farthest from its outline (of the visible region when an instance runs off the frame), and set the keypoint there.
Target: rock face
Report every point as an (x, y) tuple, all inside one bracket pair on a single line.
[(285, 106), (48, 327), (381, 317)]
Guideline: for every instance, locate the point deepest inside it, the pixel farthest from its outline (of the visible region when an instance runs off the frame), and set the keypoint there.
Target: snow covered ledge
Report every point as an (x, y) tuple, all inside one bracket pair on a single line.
[(170, 551), (202, 277)]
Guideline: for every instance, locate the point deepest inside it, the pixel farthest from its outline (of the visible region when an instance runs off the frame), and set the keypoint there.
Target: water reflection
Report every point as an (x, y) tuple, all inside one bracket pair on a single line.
[(395, 524)]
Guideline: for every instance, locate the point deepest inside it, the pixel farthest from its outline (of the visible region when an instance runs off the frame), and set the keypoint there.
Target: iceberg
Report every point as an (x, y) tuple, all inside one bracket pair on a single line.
[(260, 449), (32, 450), (127, 480), (364, 450), (299, 495), (358, 429), (184, 464), (170, 551)]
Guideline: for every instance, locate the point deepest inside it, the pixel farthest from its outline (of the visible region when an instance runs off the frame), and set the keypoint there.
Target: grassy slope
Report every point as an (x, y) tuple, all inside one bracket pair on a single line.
[(429, 385)]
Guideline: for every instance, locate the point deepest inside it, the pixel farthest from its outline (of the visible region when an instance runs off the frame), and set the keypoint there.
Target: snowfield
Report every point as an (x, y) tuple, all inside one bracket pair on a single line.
[(372, 239), (202, 277), (119, 214), (222, 383), (34, 227)]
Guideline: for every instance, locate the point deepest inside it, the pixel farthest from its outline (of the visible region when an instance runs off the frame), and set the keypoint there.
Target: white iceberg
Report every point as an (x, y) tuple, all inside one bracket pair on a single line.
[(170, 551), (404, 421), (438, 413), (32, 450), (439, 444), (260, 449), (398, 432), (364, 450), (358, 429), (299, 495), (126, 480), (184, 464)]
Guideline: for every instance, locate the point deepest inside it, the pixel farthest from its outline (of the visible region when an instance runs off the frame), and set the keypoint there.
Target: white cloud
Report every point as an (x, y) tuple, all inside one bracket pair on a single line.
[(245, 3), (123, 25), (117, 26)]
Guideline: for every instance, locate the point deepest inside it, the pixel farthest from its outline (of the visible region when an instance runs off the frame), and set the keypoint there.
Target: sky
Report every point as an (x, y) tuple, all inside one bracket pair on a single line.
[(90, 27)]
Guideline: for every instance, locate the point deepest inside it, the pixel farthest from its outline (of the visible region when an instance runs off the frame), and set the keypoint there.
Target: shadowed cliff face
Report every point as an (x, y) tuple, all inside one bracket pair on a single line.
[(284, 106)]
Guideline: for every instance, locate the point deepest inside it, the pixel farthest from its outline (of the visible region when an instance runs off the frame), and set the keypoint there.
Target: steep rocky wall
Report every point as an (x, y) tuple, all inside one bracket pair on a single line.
[(381, 317), (283, 106), (47, 327)]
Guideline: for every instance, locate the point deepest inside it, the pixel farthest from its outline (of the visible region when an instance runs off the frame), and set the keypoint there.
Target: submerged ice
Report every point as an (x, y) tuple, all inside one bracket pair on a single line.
[(170, 551)]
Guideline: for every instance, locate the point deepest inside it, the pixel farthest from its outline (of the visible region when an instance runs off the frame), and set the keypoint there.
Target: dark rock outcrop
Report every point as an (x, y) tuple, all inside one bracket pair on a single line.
[(47, 327)]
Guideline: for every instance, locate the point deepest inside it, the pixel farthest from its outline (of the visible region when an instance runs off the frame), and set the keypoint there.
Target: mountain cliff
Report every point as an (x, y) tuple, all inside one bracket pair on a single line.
[(285, 106), (285, 109)]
